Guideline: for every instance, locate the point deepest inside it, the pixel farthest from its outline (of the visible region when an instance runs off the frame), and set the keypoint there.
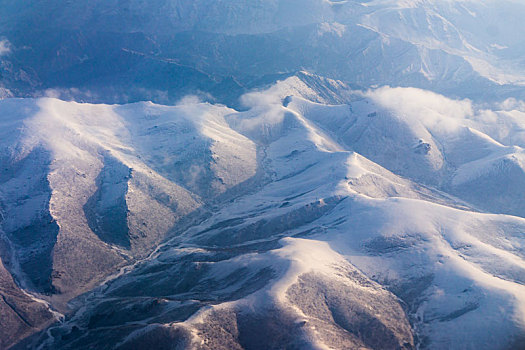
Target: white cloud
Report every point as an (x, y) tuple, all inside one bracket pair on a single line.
[(512, 104), (5, 47), (431, 109), (332, 28), (189, 100)]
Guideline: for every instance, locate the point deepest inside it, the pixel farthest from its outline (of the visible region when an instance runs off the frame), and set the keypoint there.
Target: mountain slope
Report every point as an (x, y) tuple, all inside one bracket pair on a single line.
[(310, 174), (84, 192), (123, 51), (292, 213)]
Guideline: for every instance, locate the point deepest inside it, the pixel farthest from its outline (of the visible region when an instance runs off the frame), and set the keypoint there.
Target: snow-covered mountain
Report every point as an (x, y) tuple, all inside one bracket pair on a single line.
[(364, 224), (122, 51), (309, 174)]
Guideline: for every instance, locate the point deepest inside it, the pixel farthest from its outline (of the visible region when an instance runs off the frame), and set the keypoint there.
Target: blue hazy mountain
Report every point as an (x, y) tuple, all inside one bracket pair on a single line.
[(117, 51)]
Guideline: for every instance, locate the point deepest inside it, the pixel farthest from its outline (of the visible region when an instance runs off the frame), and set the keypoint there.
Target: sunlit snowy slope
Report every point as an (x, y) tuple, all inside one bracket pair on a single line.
[(309, 174), (376, 223)]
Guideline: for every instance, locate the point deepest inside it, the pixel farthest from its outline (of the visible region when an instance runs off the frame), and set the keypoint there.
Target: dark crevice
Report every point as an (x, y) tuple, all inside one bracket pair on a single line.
[(34, 242), (107, 211), (12, 307)]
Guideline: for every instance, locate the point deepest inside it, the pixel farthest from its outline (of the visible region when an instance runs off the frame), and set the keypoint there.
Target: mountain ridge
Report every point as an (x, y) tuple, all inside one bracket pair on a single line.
[(308, 174), (303, 178)]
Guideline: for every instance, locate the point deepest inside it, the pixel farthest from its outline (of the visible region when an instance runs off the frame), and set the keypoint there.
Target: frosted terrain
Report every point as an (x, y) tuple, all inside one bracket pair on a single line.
[(262, 175), (362, 224)]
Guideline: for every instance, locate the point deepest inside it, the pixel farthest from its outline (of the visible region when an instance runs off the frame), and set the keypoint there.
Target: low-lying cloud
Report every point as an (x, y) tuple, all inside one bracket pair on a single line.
[(5, 47), (429, 108)]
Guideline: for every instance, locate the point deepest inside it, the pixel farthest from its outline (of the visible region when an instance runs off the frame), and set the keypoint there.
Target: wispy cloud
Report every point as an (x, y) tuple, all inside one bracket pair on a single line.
[(5, 47), (433, 110)]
